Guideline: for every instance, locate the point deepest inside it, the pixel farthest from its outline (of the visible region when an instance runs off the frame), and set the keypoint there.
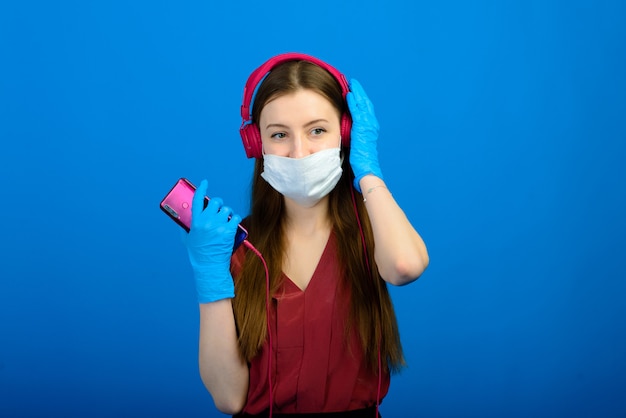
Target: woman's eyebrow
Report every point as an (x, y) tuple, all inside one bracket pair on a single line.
[(313, 122), (276, 125), (281, 126)]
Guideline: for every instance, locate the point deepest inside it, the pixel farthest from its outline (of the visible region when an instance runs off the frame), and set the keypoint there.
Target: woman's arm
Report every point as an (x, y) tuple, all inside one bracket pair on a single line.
[(209, 246), (223, 371), (400, 252)]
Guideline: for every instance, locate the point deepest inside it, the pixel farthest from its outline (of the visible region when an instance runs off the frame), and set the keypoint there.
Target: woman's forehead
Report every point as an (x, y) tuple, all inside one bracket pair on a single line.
[(301, 102)]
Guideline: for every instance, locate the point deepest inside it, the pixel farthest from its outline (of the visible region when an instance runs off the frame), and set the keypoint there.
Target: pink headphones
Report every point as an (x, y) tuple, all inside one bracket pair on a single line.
[(250, 134)]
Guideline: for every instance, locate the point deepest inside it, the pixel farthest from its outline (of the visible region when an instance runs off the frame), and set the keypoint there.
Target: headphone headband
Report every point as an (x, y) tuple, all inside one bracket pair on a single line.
[(250, 134)]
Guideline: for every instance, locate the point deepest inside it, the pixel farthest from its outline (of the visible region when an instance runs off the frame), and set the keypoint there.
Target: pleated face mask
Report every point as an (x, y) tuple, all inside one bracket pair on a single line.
[(305, 180)]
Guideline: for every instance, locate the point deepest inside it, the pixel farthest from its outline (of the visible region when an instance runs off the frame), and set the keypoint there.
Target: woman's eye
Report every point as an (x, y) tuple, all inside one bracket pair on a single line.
[(318, 131), (278, 135)]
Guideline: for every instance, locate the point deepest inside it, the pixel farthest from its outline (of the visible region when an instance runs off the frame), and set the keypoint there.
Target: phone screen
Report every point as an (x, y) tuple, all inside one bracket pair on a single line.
[(177, 205)]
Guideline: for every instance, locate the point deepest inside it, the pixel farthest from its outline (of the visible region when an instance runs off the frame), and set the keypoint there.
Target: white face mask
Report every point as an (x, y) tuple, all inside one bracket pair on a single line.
[(305, 180)]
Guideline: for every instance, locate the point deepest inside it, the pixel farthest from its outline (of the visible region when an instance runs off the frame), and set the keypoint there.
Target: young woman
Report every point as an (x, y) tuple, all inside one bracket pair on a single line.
[(299, 320)]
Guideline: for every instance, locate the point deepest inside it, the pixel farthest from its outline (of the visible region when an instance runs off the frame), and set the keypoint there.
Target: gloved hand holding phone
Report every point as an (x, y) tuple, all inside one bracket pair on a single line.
[(210, 246), (363, 135)]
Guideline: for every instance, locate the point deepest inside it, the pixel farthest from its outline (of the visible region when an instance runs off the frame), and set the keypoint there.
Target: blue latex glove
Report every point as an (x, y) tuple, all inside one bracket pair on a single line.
[(210, 246), (363, 136)]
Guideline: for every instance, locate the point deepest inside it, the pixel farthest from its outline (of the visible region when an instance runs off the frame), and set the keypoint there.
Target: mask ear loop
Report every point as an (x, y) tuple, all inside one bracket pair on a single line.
[(367, 263)]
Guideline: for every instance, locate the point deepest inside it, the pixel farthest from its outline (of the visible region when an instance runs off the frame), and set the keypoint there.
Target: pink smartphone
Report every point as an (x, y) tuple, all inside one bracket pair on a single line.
[(177, 205)]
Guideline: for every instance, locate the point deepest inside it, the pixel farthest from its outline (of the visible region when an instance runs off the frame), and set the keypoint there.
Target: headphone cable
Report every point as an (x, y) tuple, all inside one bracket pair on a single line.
[(249, 245), (268, 316)]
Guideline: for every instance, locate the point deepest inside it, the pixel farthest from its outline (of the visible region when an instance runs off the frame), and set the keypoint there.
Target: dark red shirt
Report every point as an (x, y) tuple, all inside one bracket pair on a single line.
[(316, 367)]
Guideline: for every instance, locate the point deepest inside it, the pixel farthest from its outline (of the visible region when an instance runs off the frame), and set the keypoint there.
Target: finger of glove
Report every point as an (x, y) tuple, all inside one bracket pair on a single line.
[(221, 221), (235, 219), (364, 127), (197, 203), (232, 224), (211, 244), (363, 116), (360, 98), (227, 221), (352, 106), (222, 216), (214, 225), (208, 216), (215, 206)]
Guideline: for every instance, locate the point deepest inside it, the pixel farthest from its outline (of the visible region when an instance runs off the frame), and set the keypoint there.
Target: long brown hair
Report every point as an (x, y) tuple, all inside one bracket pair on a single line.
[(371, 311)]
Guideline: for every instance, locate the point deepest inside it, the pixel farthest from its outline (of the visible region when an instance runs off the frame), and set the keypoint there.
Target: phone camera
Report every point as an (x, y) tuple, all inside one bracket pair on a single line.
[(171, 211)]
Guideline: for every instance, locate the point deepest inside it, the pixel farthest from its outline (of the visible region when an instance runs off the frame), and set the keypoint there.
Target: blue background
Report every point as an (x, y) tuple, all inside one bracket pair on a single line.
[(503, 138)]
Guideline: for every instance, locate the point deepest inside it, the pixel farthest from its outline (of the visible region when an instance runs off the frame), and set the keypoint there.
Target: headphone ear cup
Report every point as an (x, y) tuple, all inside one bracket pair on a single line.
[(251, 138), (346, 127)]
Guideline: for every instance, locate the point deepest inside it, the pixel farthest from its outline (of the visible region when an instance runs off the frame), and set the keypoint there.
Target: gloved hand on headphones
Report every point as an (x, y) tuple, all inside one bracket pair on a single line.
[(363, 136), (210, 246)]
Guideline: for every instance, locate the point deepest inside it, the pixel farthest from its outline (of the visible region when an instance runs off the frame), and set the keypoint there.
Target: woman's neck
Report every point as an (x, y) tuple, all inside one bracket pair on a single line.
[(303, 220)]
